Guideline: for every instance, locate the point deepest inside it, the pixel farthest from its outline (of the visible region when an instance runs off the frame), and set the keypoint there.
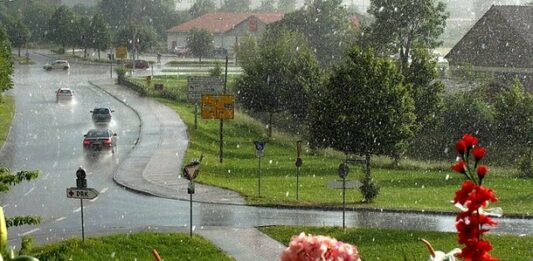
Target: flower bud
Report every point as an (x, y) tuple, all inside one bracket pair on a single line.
[(478, 153), (470, 140), (459, 167), (482, 171), (460, 147)]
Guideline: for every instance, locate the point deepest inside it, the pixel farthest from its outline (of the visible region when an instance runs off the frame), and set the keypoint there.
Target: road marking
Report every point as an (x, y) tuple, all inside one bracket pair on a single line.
[(76, 210), (104, 190), (29, 191), (94, 199), (60, 219), (6, 205), (31, 231)]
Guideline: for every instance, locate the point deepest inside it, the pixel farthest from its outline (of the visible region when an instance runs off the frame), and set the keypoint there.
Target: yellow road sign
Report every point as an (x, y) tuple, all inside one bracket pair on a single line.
[(121, 52), (218, 106)]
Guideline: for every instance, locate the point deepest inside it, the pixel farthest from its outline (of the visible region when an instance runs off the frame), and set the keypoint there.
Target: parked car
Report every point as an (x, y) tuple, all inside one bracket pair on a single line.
[(100, 140), (220, 51), (181, 51), (139, 64), (64, 93), (57, 64), (102, 115)]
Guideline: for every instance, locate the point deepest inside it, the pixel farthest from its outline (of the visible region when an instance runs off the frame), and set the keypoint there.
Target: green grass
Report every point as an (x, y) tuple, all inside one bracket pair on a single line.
[(170, 246), (7, 110), (196, 62), (415, 186), (22, 60), (390, 245)]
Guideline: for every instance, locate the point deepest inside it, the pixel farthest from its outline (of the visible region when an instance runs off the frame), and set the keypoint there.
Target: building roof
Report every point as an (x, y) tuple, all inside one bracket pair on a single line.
[(223, 21), (518, 19)]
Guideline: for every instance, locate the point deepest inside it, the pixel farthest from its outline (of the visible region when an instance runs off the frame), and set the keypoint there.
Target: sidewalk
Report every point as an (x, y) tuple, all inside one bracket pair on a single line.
[(153, 166)]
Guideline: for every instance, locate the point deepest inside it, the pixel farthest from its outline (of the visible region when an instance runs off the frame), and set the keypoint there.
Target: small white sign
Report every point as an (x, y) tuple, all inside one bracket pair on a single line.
[(336, 184), (82, 193)]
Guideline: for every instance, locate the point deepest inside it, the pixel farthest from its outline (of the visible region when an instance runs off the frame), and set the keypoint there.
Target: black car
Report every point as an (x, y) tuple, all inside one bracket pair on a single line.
[(100, 140), (102, 115)]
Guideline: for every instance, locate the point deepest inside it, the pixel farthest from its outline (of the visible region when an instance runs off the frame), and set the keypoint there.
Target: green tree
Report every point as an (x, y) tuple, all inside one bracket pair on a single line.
[(514, 124), (428, 95), (364, 109), (18, 34), (266, 6), (62, 27), (82, 31), (140, 37), (200, 42), (236, 6), (246, 49), (6, 63), (99, 36), (326, 26), (201, 7), (286, 6), (7, 180), (280, 77), (36, 18), (401, 24)]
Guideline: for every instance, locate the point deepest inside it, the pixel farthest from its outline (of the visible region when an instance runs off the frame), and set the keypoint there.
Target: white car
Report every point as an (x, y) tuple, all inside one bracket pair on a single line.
[(64, 93), (57, 64)]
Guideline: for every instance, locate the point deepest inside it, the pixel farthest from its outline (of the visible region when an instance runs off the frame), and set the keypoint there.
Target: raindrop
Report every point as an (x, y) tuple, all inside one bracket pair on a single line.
[(447, 176), (229, 171), (270, 162)]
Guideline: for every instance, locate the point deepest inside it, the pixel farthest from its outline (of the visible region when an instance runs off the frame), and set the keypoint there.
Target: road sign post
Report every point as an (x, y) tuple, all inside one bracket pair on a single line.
[(190, 172), (259, 147), (298, 164), (82, 192)]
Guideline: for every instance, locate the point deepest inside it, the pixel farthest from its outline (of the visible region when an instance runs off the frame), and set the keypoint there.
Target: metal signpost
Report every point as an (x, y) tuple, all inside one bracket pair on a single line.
[(82, 192), (259, 148), (298, 164), (190, 172), (343, 184)]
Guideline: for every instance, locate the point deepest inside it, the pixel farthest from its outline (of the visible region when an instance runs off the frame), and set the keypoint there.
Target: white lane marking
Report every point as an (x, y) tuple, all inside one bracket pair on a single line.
[(94, 199), (31, 231), (29, 191), (76, 210), (104, 190), (60, 219)]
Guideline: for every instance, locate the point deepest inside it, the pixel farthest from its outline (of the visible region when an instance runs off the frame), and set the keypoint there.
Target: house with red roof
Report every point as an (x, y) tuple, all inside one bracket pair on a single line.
[(226, 27)]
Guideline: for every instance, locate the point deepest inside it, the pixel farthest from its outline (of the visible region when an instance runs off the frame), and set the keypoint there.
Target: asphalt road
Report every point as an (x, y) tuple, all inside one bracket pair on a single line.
[(47, 136)]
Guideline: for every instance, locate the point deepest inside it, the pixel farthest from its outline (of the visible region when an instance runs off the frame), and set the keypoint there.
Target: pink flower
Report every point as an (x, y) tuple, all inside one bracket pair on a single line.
[(307, 247)]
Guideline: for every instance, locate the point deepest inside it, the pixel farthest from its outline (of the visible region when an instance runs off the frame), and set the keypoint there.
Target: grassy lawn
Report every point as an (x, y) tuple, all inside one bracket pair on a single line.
[(416, 185), (390, 245), (7, 110), (170, 246)]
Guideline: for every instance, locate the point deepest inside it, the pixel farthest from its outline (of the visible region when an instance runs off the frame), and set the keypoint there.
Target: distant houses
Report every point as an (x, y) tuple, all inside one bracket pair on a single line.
[(226, 27), (499, 44)]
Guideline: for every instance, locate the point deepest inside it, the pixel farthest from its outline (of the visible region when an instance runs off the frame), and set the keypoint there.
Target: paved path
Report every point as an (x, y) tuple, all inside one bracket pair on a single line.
[(153, 167)]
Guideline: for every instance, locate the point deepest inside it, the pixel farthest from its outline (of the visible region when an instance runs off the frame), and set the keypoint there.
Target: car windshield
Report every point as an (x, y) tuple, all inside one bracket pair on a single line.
[(101, 111), (98, 134), (360, 120)]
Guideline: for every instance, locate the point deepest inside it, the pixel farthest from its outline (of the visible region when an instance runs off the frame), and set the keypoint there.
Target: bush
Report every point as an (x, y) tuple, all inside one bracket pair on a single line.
[(217, 70)]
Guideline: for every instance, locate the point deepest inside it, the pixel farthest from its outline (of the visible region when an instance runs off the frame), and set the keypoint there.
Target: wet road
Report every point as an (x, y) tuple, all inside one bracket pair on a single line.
[(47, 135)]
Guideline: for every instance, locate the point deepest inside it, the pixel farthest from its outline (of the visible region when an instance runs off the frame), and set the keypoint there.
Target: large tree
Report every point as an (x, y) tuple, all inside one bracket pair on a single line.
[(36, 17), (235, 6), (18, 33), (62, 27), (99, 35), (246, 49), (82, 28), (514, 124), (286, 6), (201, 7), (6, 63), (363, 109), (138, 37), (266, 6), (401, 24), (280, 77), (200, 42), (427, 91), (326, 26)]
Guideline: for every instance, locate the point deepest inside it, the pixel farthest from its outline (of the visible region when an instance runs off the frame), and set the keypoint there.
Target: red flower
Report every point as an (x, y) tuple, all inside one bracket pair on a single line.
[(460, 146), (482, 171), (459, 167), (461, 195), (478, 153), (470, 140)]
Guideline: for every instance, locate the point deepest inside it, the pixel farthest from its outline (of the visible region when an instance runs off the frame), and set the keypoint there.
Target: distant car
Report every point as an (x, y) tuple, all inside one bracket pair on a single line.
[(57, 64), (220, 51), (100, 140), (139, 64), (181, 51), (102, 115), (64, 93)]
